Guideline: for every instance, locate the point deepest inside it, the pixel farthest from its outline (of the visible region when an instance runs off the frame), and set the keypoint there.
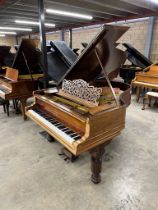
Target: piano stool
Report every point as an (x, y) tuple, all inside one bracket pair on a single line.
[(5, 104), (149, 96)]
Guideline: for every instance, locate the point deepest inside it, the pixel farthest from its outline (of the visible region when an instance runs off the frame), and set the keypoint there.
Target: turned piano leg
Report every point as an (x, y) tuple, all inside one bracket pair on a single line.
[(23, 105), (138, 93), (144, 101), (96, 163)]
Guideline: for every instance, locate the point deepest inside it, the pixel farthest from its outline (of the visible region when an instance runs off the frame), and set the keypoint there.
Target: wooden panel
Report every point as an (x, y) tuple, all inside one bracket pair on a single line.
[(147, 78), (12, 74), (153, 70), (106, 121), (143, 84)]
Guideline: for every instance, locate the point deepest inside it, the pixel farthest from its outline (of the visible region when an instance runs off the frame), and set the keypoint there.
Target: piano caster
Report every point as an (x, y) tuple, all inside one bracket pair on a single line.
[(96, 163)]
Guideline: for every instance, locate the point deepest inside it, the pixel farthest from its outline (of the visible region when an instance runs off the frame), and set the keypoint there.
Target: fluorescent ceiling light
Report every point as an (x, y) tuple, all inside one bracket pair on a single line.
[(154, 1), (7, 32), (2, 35), (50, 24), (70, 14), (16, 29), (33, 23)]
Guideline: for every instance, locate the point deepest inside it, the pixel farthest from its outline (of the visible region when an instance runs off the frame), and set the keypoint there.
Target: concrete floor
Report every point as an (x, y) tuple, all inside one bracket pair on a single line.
[(34, 177)]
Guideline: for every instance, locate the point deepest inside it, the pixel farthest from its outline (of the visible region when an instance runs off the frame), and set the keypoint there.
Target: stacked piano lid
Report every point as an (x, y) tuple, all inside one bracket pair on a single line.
[(65, 52), (59, 59)]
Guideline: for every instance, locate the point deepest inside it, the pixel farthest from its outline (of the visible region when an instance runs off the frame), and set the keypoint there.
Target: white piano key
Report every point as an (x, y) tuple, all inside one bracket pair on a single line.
[(2, 93)]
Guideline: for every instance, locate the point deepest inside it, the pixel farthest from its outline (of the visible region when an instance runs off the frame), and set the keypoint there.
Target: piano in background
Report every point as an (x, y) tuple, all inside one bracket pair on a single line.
[(138, 60), (148, 78), (4, 52), (82, 117), (21, 80), (59, 59)]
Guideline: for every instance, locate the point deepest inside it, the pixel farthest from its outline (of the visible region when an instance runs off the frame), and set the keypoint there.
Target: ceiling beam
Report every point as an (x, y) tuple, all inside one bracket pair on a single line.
[(119, 5), (77, 5)]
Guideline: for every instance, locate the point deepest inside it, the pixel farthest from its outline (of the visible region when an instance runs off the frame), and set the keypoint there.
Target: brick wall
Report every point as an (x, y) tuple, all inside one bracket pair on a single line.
[(136, 36), (154, 45), (8, 41), (53, 36)]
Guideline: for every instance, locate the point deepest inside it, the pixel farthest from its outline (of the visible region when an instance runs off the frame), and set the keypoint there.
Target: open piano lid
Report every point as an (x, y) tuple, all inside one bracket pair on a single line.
[(65, 52), (27, 56), (87, 66), (135, 57), (4, 52)]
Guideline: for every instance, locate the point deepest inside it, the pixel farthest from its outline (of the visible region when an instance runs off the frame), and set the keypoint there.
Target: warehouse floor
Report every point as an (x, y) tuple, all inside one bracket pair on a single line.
[(34, 177)]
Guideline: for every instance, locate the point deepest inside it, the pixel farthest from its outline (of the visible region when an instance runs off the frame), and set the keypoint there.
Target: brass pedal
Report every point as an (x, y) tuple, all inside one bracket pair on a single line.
[(67, 155)]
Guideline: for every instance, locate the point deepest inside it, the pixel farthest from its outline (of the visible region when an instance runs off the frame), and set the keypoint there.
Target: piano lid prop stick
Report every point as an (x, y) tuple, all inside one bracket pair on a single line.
[(112, 90), (27, 65)]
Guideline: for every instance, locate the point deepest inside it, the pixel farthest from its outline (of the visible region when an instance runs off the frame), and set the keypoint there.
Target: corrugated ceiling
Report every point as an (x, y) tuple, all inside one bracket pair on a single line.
[(103, 11)]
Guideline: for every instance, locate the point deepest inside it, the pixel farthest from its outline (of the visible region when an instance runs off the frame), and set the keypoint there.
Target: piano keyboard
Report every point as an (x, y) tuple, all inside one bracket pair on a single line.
[(57, 127), (3, 91)]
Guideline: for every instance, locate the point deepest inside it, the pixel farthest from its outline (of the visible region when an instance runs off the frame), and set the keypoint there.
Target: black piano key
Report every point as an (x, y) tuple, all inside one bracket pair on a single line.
[(60, 126), (73, 134), (69, 132), (52, 120), (77, 137), (56, 124)]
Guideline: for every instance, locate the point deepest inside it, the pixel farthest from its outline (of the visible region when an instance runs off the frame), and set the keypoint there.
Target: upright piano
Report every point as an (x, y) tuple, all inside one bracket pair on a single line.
[(21, 79), (85, 111), (138, 61)]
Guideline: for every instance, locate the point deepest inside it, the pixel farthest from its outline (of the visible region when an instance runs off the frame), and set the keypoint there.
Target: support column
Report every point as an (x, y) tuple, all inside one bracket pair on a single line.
[(16, 38), (62, 35), (70, 38), (43, 40), (149, 37)]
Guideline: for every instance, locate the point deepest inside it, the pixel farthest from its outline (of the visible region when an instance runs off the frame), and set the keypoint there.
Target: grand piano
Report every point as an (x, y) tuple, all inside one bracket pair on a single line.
[(138, 61), (21, 79), (148, 78), (4, 53), (84, 111)]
